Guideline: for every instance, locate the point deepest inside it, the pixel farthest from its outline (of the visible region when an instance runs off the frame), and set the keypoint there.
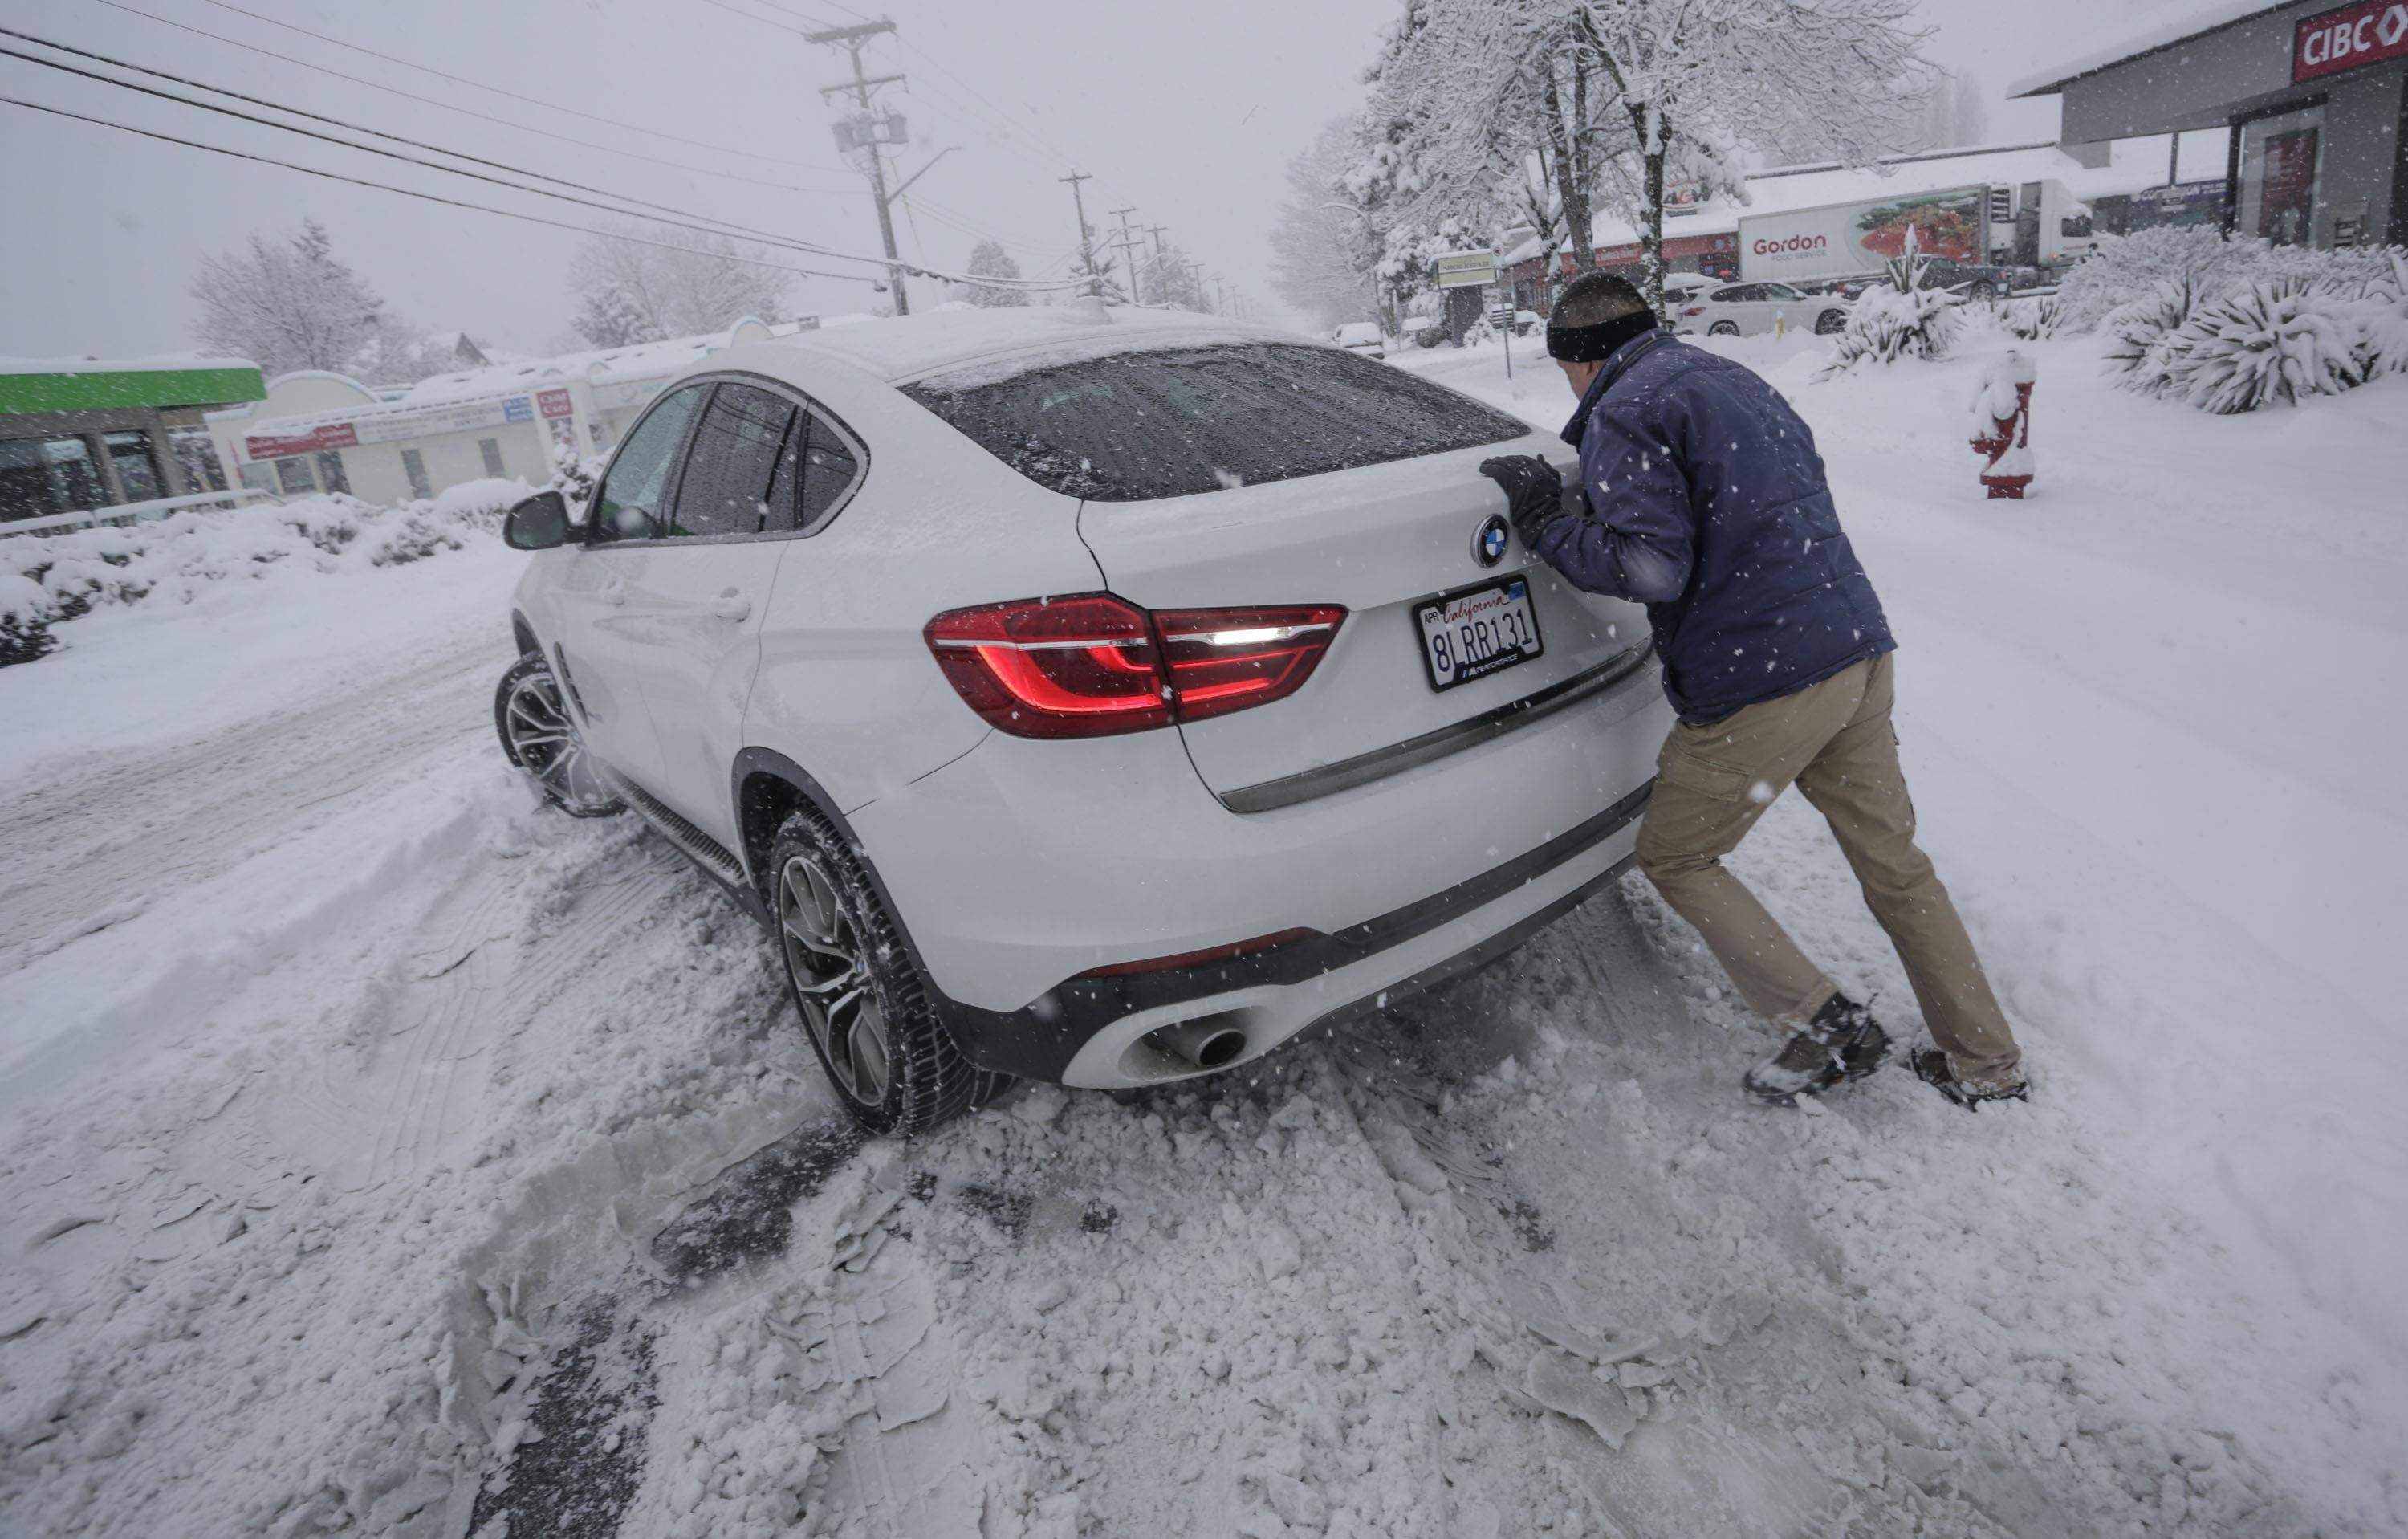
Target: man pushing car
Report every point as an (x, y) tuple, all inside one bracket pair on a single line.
[(1701, 496)]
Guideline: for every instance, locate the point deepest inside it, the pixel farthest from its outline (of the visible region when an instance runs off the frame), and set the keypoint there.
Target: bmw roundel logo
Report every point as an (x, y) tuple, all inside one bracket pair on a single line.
[(1488, 540)]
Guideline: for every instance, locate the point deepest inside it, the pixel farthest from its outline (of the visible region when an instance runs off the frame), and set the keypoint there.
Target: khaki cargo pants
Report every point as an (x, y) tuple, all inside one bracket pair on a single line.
[(1835, 740)]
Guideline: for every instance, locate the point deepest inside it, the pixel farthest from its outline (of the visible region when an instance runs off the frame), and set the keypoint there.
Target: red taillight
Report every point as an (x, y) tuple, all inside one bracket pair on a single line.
[(1229, 953), (1695, 309), (1090, 665), (1224, 661)]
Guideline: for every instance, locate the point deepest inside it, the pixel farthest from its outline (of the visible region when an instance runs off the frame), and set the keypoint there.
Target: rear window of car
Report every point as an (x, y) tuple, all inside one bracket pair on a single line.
[(1167, 422)]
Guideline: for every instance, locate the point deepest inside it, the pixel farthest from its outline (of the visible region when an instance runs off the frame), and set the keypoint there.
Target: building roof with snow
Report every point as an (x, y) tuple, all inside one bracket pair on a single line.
[(2213, 17)]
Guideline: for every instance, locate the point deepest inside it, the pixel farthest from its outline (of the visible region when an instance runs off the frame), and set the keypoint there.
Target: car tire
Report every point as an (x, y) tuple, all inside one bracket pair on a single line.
[(1723, 328), (540, 737), (1831, 322), (857, 990), (1982, 294)]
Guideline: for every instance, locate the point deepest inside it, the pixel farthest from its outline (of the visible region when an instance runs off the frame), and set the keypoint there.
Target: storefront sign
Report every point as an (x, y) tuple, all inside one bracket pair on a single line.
[(393, 427), (1467, 270), (554, 403), (2364, 33)]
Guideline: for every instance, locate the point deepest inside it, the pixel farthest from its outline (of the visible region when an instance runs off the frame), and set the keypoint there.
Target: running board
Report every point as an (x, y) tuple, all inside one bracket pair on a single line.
[(704, 851)]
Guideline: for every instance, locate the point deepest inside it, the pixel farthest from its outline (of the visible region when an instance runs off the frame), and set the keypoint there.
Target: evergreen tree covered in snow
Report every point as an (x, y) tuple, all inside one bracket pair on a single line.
[(1170, 281), (286, 305), (637, 283), (988, 259)]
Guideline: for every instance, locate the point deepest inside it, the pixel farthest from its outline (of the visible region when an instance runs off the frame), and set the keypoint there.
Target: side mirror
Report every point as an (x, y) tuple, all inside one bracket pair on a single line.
[(539, 523)]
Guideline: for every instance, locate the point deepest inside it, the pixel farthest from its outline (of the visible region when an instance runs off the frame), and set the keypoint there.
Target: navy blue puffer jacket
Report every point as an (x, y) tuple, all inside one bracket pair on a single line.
[(1707, 504)]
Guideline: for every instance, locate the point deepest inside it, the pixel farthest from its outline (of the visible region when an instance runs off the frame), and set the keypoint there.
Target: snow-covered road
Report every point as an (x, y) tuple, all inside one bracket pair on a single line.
[(382, 1153)]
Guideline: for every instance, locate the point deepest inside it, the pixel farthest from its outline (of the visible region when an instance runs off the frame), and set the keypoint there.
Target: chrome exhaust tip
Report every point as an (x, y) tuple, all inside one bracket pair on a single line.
[(1206, 1044)]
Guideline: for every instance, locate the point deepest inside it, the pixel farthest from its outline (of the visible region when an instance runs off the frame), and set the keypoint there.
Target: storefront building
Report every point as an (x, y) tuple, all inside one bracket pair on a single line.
[(319, 432), (78, 436), (2315, 97)]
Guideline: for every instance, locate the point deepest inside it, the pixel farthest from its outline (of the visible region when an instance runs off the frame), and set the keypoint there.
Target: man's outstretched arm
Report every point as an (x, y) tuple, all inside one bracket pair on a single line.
[(1633, 539)]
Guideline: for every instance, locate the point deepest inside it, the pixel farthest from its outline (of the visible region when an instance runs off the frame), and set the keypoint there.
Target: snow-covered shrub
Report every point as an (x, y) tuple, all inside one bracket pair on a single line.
[(47, 580), (2033, 319), (2123, 270), (574, 476), (2139, 325), (1887, 325), (2281, 341)]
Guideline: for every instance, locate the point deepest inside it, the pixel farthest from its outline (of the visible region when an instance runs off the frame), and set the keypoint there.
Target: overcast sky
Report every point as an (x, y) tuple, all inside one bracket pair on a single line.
[(1187, 112)]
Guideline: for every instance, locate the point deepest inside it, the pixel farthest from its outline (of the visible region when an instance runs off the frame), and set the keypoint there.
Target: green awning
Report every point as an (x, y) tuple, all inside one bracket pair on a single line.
[(102, 388)]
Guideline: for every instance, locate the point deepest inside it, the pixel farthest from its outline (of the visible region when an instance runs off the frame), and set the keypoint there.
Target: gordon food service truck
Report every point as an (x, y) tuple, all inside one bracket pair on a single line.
[(2028, 225)]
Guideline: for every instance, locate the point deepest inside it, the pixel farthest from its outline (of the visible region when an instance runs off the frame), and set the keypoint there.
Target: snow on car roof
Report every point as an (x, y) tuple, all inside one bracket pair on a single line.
[(1018, 338)]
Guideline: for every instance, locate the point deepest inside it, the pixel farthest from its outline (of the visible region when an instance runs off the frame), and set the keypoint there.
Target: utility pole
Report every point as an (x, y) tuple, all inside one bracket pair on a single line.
[(1126, 245), (852, 40), (1086, 253)]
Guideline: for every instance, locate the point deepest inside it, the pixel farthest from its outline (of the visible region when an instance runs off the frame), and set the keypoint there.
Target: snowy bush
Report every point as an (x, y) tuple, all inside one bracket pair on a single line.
[(2123, 270), (1888, 324), (2282, 341), (47, 580), (2035, 319), (2332, 322)]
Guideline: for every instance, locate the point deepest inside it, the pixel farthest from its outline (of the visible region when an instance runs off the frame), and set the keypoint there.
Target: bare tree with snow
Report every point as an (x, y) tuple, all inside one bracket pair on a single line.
[(1326, 247), (286, 305), (1553, 106), (668, 283)]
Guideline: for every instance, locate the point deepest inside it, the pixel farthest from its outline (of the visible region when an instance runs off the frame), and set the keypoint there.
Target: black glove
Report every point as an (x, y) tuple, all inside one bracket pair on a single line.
[(1534, 492)]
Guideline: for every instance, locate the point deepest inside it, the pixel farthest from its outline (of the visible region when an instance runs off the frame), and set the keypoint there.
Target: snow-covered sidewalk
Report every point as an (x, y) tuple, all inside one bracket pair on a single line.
[(383, 1154)]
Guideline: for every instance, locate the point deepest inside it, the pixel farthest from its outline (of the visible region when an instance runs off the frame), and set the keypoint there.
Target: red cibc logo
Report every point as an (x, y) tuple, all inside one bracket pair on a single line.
[(2336, 40)]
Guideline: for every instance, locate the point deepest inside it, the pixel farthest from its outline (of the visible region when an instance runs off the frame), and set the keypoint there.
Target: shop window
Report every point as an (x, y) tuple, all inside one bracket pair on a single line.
[(293, 476), (491, 449), (330, 471), (2279, 162), (197, 454), (256, 476), (413, 465), (43, 476), (138, 473)]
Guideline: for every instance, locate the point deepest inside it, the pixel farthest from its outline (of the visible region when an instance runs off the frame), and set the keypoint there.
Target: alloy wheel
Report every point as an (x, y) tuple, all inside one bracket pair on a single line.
[(548, 746), (831, 979)]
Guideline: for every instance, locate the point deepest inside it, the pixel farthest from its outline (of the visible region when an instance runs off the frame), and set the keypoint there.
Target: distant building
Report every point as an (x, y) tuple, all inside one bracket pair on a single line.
[(1702, 235), (317, 432), (2312, 96), (77, 435)]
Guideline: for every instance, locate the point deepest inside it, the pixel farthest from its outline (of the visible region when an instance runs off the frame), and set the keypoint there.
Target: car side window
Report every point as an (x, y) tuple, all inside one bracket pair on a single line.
[(628, 507), (1732, 295), (726, 486), (830, 467)]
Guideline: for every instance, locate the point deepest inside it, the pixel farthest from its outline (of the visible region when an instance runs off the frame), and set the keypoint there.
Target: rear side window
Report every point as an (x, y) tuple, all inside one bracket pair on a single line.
[(1163, 424), (725, 488)]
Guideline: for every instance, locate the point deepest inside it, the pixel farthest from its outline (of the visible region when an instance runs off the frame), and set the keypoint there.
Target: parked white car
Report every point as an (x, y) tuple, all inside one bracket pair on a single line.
[(1750, 309), (1101, 696), (1362, 337)]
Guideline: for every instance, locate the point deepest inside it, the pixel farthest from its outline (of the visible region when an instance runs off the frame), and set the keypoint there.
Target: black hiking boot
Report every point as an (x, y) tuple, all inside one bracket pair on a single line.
[(1931, 1066), (1842, 1041)]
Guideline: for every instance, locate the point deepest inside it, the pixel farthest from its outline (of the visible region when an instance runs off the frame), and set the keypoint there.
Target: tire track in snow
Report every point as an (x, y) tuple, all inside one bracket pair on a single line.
[(102, 839)]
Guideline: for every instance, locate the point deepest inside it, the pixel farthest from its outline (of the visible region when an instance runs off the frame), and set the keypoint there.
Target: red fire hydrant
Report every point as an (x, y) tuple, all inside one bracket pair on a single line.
[(2002, 424)]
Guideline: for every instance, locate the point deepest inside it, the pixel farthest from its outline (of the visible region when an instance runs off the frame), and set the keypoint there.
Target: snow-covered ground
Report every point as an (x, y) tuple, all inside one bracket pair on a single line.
[(381, 1153)]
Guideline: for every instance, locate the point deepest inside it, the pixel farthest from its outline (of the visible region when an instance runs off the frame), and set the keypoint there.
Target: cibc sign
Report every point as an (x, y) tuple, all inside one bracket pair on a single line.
[(2364, 33)]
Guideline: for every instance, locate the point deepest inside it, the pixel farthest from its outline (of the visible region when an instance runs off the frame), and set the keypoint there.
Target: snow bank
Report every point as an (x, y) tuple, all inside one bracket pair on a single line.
[(48, 580)]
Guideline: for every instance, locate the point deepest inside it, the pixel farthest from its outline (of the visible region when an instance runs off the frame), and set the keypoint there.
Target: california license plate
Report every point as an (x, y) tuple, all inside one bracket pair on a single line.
[(1477, 632)]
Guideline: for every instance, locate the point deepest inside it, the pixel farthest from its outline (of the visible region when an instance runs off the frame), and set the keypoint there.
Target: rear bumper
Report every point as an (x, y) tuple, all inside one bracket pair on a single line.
[(1091, 1032)]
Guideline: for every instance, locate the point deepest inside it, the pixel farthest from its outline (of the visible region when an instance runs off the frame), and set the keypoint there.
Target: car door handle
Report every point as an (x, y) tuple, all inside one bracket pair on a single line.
[(731, 605), (615, 592)]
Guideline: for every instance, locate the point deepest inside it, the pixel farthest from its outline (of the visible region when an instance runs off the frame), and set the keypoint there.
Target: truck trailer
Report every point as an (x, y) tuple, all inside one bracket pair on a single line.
[(2032, 229)]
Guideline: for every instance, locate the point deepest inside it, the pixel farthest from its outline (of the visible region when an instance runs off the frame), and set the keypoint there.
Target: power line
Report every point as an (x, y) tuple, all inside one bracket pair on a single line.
[(467, 111), (428, 198), (498, 90), (314, 117), (681, 216), (807, 247)]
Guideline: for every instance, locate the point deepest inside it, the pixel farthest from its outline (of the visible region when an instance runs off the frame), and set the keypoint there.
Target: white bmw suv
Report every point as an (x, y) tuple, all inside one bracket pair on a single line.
[(1101, 696)]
